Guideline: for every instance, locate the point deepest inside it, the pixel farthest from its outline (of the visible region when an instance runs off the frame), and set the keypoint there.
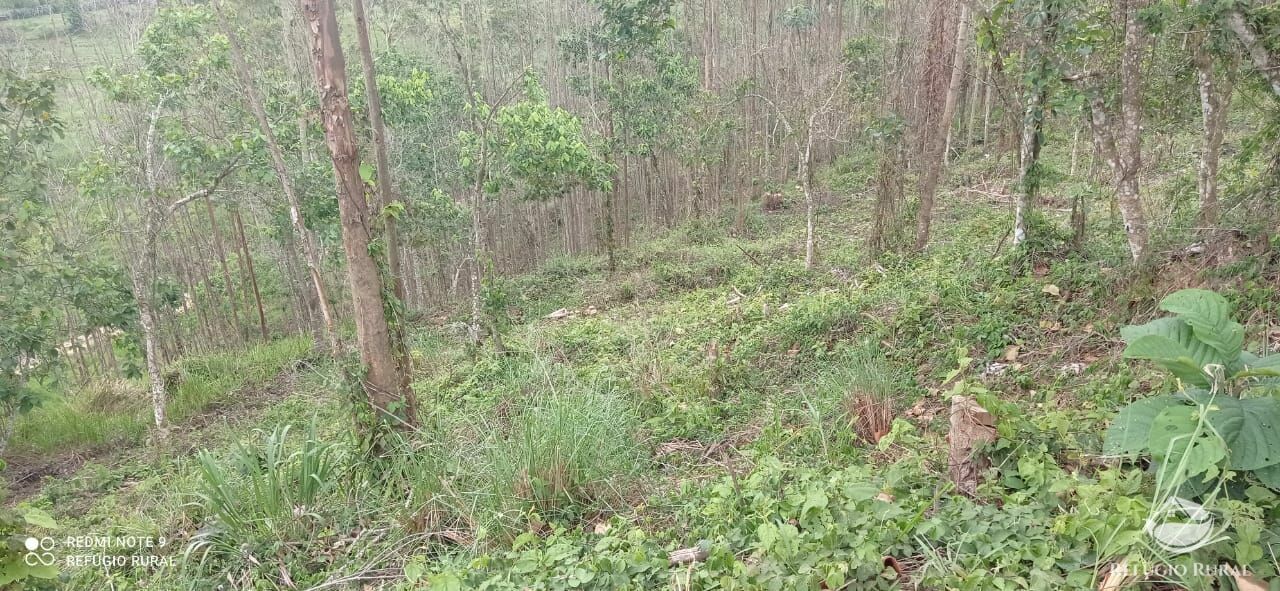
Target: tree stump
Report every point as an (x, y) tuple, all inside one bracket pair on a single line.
[(971, 427)]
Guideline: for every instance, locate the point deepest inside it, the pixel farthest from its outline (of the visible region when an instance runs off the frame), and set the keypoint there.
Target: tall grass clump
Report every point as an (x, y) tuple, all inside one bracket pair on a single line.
[(869, 391), (267, 494), (100, 413), (572, 446), (208, 379)]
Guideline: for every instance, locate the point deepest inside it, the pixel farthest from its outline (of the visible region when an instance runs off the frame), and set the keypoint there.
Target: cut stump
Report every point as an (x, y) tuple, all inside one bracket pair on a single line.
[(971, 427)]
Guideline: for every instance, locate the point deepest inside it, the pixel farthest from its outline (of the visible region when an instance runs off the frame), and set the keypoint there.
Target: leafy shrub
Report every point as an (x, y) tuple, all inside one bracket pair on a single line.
[(1224, 416), (16, 571)]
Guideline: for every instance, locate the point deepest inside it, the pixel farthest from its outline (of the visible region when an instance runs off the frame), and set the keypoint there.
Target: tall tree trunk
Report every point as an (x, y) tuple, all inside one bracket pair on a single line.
[(477, 260), (806, 183), (232, 300), (1032, 124), (386, 192), (1033, 127), (957, 81), (939, 70), (385, 383), (311, 254), (1129, 142), (1215, 100)]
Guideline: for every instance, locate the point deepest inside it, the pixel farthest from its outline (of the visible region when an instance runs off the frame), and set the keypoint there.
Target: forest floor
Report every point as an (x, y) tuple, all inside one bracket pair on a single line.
[(705, 395)]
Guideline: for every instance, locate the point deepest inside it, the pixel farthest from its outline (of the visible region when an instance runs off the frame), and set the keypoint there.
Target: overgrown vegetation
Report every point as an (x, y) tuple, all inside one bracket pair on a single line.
[(628, 298)]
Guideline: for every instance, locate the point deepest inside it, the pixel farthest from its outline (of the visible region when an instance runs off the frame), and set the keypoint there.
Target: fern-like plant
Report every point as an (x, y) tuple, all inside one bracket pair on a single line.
[(1225, 414)]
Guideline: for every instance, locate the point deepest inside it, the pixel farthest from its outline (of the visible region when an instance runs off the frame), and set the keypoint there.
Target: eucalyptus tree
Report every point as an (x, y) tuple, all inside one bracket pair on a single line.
[(386, 379)]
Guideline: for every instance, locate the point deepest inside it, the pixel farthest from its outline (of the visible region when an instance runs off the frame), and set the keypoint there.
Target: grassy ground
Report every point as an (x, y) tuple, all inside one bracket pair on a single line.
[(712, 393)]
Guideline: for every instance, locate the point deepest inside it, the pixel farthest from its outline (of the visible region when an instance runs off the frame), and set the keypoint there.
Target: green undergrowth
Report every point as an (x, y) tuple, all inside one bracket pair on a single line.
[(117, 412), (712, 393)]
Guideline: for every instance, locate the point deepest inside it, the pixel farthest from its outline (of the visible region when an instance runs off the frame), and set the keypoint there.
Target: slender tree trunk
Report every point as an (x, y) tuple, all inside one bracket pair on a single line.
[(385, 382), (957, 81), (386, 191), (1032, 123), (253, 276), (311, 254), (611, 195), (1033, 127), (232, 300), (142, 278), (1264, 61), (806, 183), (1215, 100), (477, 261), (938, 95), (1129, 142)]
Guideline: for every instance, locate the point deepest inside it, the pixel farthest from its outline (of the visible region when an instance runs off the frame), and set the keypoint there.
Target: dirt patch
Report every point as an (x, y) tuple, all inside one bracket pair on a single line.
[(26, 474)]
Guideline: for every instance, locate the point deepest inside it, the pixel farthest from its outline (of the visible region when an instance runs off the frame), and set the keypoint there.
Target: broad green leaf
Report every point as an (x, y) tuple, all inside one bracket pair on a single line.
[(1250, 426), (1130, 431), (1171, 431), (1172, 344), (1209, 316), (1270, 476), (1181, 452), (38, 518), (366, 172), (1261, 367)]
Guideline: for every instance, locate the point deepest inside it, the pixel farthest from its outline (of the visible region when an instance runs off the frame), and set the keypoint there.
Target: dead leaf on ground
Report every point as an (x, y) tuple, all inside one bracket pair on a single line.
[(1052, 290), (1011, 353)]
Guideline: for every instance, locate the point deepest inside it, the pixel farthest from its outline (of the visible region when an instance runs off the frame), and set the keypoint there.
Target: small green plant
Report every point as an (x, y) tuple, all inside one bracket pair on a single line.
[(24, 562), (1224, 415)]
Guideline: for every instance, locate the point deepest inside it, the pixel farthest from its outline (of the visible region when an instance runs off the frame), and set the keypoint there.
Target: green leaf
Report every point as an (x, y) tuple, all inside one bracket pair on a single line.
[(1269, 476), (1261, 367), (1175, 443), (1130, 431), (1172, 344), (1250, 426), (1209, 316), (366, 172), (38, 518)]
